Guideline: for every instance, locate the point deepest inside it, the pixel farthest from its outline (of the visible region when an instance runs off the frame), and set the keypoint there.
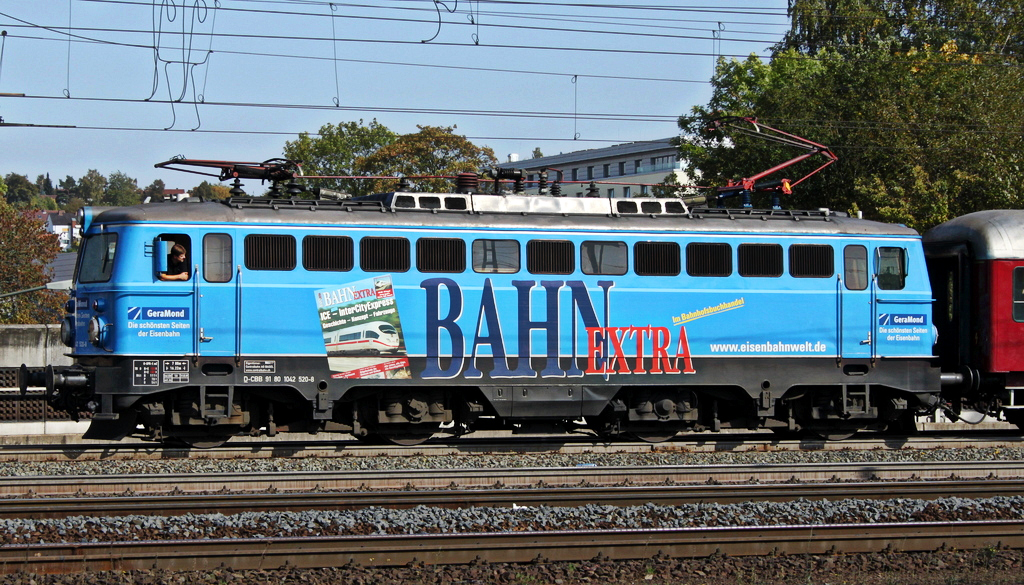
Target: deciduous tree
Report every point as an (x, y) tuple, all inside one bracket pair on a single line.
[(337, 150), (434, 150), (121, 190), (91, 187), (25, 250), (19, 189)]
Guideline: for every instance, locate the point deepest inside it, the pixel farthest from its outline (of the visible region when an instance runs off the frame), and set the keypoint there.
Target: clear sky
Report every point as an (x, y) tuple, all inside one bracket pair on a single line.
[(134, 82)]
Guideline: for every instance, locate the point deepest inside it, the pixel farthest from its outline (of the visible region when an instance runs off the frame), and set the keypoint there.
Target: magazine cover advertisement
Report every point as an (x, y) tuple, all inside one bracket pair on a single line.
[(362, 330)]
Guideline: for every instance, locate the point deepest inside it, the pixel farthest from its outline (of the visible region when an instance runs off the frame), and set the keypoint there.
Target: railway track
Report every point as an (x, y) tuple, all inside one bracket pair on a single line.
[(225, 503), (507, 547), (71, 448)]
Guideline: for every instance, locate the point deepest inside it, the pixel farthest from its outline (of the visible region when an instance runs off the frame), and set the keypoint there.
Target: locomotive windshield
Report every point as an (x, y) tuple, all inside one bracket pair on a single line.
[(97, 258)]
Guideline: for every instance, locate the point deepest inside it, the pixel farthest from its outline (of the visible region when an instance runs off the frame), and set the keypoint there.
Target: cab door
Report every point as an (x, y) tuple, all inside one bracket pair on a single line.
[(856, 304), (217, 283)]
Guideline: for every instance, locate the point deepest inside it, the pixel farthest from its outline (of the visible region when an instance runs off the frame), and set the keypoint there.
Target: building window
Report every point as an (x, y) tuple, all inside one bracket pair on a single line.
[(496, 256), (384, 254), (760, 260), (329, 253), (643, 190), (611, 193), (603, 258), (638, 166), (708, 259), (440, 255), (626, 193), (656, 258), (855, 267), (550, 257), (811, 261), (622, 168), (575, 174), (590, 173), (607, 171), (269, 252)]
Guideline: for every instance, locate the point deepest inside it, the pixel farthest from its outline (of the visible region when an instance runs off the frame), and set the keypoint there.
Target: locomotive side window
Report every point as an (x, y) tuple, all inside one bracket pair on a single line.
[(811, 261), (440, 255), (892, 271), (174, 257), (269, 252), (384, 254), (97, 258), (333, 253), (760, 259), (656, 258), (496, 256), (603, 258), (550, 257), (855, 267), (708, 259), (1018, 294), (217, 257)]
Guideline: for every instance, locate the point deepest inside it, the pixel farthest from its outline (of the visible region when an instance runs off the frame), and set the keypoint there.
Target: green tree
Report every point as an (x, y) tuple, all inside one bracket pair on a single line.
[(25, 250), (337, 150), (91, 187), (42, 202), (922, 133), (44, 184), (3, 189), (537, 153), (433, 151), (210, 192), (121, 190), (155, 190), (19, 189)]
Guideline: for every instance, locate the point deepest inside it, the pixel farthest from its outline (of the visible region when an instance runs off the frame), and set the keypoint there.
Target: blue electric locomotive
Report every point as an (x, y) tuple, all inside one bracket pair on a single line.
[(466, 311)]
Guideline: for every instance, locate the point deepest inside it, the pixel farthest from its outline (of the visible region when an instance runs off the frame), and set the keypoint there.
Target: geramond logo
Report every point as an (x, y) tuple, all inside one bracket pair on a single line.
[(149, 313)]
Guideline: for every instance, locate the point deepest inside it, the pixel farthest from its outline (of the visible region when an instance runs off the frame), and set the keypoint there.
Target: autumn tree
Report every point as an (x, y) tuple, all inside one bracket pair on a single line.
[(25, 251), (433, 151), (210, 192), (336, 151)]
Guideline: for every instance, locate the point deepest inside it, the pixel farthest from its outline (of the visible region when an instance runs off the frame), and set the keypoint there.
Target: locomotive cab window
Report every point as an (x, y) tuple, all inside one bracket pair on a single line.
[(173, 255), (855, 267), (892, 268), (603, 258), (97, 258), (496, 256)]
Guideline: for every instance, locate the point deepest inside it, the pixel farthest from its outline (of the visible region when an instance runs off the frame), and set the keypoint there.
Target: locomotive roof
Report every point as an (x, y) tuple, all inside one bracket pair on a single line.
[(992, 234), (503, 212)]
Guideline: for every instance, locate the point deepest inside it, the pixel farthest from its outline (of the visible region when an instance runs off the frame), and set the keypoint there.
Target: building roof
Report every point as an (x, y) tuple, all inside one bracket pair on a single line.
[(60, 218)]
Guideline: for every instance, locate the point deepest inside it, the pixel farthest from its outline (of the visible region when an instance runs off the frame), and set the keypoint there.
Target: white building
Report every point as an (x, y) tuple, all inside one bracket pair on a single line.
[(62, 224), (641, 164)]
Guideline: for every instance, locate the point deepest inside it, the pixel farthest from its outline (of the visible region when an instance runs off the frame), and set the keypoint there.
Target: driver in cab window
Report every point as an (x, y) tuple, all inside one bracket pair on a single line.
[(177, 268)]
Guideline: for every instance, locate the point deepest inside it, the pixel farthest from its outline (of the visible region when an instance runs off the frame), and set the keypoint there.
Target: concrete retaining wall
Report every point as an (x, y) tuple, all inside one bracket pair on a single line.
[(33, 345)]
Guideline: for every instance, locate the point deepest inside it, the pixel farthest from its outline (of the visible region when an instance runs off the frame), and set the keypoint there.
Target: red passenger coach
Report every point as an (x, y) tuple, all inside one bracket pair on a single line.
[(976, 263)]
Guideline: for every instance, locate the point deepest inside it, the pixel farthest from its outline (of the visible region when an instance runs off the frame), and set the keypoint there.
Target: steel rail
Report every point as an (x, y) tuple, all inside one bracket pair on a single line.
[(172, 505), (506, 547), (291, 445), (82, 485)]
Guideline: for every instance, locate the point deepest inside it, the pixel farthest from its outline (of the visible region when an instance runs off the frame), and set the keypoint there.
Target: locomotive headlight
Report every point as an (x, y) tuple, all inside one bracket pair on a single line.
[(97, 331), (69, 307), (67, 331), (99, 305)]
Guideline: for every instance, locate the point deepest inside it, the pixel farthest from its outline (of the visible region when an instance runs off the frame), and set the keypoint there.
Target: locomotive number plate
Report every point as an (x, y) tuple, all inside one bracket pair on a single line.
[(175, 372)]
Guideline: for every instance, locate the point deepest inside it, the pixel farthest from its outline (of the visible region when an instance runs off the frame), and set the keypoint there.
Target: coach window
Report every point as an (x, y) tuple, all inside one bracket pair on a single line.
[(496, 256), (384, 254), (217, 257), (892, 268), (1018, 294), (550, 257), (327, 253), (97, 258), (440, 255), (603, 258), (811, 261), (656, 258), (855, 267), (269, 252), (760, 260), (708, 259), (170, 264)]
